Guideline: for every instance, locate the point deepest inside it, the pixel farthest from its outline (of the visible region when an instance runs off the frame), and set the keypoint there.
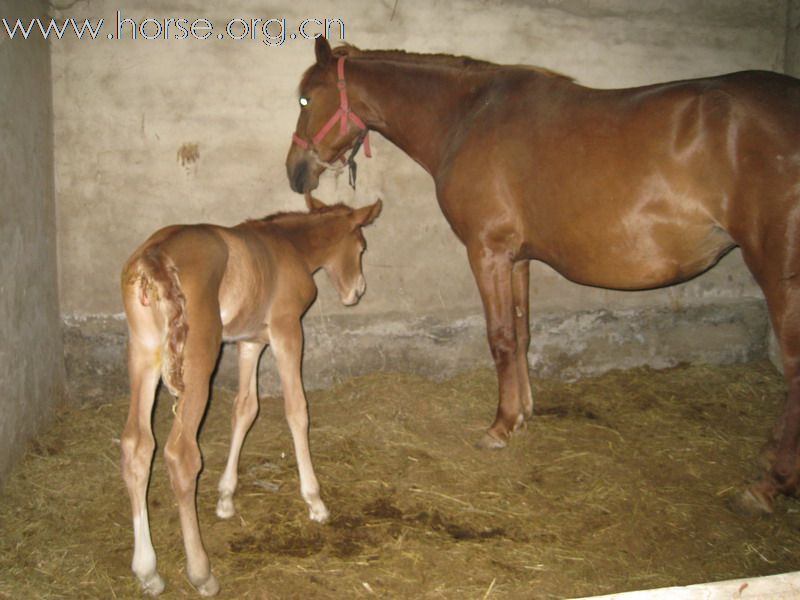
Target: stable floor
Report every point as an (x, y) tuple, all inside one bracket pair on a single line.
[(619, 483)]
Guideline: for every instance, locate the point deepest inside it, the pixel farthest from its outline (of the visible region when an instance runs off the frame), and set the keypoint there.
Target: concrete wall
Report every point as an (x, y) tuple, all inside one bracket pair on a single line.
[(31, 357), (126, 112), (792, 62)]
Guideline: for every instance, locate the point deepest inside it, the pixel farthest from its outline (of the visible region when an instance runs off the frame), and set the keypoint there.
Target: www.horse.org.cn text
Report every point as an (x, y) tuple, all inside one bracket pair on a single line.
[(270, 31)]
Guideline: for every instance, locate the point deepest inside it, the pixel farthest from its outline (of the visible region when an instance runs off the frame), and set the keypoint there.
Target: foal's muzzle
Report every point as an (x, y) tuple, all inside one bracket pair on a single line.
[(356, 292)]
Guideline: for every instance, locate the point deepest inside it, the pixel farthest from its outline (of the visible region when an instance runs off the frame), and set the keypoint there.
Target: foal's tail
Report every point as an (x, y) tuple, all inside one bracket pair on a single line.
[(160, 285)]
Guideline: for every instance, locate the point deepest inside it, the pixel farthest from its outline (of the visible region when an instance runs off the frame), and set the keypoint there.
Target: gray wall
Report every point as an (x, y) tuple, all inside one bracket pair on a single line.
[(31, 357), (124, 109), (792, 66)]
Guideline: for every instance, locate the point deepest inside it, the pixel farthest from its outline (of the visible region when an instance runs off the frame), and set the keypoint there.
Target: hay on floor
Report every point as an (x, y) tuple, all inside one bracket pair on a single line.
[(619, 483)]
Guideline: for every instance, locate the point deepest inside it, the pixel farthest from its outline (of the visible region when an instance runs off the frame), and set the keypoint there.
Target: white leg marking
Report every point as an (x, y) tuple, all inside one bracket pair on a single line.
[(210, 587), (227, 486), (144, 556), (225, 508), (309, 486)]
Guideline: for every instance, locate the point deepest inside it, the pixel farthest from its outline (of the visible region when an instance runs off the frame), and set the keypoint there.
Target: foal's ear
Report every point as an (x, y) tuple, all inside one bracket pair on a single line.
[(367, 214), (323, 51), (314, 203)]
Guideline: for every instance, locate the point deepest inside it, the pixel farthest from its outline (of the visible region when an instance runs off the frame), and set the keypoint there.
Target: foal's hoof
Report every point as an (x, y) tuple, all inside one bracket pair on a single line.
[(489, 442), (225, 509), (750, 504), (210, 587), (153, 585), (318, 513)]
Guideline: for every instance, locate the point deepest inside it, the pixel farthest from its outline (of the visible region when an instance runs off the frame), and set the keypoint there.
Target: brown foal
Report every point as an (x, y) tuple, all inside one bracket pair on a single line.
[(187, 289), (629, 189)]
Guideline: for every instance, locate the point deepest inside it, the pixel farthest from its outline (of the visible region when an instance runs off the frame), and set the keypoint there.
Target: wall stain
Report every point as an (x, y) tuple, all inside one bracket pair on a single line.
[(188, 154)]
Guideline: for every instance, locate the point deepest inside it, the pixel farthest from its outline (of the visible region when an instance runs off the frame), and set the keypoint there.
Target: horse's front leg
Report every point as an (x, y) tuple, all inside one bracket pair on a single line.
[(286, 341), (493, 274), (520, 285)]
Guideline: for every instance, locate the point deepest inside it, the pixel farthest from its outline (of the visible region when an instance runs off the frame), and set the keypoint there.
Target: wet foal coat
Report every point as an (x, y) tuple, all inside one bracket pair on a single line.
[(628, 189), (187, 289)]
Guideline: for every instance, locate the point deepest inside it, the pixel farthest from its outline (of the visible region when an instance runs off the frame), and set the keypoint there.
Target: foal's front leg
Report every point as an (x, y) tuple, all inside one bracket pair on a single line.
[(245, 408), (286, 340), (493, 275)]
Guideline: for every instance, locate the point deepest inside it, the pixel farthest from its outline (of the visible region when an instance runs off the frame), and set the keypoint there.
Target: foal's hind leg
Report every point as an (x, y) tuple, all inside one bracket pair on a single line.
[(245, 408), (286, 340), (138, 444), (181, 451)]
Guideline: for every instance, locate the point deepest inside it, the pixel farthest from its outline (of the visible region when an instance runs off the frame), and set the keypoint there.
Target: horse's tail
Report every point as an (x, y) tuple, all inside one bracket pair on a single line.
[(160, 286)]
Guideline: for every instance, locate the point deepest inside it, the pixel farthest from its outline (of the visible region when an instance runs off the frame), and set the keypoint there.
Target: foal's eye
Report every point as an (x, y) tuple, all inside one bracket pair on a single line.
[(304, 101)]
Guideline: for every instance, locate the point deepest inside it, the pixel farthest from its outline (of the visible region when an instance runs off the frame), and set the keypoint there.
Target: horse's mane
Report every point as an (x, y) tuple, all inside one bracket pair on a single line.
[(451, 60), (447, 60), (461, 63)]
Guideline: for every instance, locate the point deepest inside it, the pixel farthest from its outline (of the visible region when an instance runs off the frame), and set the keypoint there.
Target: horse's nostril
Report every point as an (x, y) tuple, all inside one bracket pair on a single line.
[(298, 178)]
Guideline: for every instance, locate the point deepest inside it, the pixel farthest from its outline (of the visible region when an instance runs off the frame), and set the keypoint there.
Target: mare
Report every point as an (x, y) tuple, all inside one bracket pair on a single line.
[(187, 289), (626, 189)]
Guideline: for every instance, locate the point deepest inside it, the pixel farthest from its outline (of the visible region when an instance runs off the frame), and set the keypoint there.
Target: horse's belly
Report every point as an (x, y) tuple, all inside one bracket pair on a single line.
[(660, 257)]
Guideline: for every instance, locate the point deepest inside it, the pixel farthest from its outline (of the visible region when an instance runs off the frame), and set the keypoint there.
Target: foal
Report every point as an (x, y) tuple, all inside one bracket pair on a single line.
[(187, 289)]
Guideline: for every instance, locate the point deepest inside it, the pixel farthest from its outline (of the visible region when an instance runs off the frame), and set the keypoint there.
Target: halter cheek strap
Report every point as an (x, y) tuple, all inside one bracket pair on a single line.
[(343, 116)]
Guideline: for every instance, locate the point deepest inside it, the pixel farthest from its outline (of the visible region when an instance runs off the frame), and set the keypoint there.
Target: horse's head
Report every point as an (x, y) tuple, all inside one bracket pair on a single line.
[(327, 126), (342, 260)]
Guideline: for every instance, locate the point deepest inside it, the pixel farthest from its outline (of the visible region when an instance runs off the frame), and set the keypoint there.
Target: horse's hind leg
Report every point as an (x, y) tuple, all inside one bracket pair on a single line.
[(286, 341), (137, 440), (181, 450), (782, 476), (777, 269), (245, 408)]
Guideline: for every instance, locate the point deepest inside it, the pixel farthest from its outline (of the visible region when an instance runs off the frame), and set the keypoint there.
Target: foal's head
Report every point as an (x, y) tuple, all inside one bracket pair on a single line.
[(328, 125), (342, 255)]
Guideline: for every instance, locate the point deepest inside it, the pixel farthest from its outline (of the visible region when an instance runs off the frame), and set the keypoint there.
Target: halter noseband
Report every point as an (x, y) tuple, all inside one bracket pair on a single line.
[(343, 115)]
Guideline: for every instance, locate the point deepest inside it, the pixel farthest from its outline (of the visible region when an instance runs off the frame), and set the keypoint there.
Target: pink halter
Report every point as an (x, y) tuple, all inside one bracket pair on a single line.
[(343, 114)]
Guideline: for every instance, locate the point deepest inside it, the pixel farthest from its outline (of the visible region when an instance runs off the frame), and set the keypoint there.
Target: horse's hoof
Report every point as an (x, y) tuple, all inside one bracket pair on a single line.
[(490, 442), (210, 587), (750, 504)]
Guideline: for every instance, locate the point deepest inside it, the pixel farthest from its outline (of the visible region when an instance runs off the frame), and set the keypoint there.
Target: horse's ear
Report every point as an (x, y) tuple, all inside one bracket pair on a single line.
[(367, 214), (314, 203), (323, 51)]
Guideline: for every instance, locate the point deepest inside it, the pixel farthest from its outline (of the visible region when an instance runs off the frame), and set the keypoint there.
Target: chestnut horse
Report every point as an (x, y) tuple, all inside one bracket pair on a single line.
[(627, 189), (187, 289)]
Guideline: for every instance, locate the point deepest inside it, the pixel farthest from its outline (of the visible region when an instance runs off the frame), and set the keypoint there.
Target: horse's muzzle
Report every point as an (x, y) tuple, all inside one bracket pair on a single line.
[(298, 176)]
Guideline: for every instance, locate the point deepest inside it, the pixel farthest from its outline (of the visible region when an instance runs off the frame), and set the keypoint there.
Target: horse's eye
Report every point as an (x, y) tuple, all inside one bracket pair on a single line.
[(304, 101)]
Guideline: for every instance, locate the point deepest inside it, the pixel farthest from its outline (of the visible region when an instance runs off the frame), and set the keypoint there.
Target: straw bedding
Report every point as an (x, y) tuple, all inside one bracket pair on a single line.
[(620, 482)]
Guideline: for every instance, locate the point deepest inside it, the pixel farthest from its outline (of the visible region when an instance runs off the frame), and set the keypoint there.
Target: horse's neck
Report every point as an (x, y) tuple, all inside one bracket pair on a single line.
[(414, 106)]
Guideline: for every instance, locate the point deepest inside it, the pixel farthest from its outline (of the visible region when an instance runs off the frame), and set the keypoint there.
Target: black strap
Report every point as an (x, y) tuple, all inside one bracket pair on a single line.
[(351, 160)]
